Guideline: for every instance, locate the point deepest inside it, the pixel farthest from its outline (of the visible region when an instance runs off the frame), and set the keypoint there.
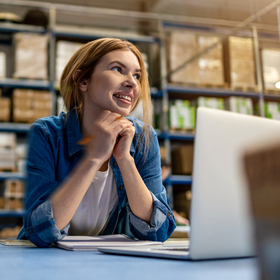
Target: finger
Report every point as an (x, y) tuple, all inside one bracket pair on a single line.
[(121, 126), (129, 130)]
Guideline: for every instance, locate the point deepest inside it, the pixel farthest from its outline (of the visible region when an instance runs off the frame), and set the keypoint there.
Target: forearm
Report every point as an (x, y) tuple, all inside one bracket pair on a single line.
[(67, 198), (139, 197)]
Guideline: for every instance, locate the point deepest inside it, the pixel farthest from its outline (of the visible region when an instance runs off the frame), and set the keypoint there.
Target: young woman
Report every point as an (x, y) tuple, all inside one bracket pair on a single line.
[(95, 171)]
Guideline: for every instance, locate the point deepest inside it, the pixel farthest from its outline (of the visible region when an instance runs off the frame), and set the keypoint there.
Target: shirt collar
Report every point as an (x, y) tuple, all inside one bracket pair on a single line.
[(74, 134)]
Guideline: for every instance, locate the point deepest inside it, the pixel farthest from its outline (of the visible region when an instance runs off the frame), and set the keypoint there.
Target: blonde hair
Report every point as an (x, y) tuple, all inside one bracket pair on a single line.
[(81, 66)]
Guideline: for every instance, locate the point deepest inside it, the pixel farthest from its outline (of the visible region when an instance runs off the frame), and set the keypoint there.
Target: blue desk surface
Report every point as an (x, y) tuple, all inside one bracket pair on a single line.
[(52, 263)]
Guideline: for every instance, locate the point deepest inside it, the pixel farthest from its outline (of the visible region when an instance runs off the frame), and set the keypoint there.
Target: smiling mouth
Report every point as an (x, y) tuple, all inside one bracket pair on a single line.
[(125, 97)]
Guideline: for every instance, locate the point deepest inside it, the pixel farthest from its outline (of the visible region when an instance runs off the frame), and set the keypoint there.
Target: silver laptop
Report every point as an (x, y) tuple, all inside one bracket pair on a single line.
[(221, 223)]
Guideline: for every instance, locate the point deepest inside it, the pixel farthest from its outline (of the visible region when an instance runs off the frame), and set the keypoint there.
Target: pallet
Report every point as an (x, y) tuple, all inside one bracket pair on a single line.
[(272, 91), (202, 85), (8, 169), (181, 130), (244, 88), (29, 79), (14, 187)]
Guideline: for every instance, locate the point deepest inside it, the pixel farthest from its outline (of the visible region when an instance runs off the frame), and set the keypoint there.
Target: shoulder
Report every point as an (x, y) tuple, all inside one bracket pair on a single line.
[(49, 126)]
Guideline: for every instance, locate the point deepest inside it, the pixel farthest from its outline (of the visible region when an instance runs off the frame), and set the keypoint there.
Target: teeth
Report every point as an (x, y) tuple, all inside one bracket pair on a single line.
[(123, 97)]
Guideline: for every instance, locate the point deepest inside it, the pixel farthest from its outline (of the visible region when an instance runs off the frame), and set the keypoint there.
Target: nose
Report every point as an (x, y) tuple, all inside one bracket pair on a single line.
[(130, 82)]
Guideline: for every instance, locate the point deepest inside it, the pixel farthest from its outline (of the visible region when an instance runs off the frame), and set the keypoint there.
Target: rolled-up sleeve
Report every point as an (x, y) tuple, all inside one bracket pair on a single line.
[(42, 230), (38, 221), (160, 226)]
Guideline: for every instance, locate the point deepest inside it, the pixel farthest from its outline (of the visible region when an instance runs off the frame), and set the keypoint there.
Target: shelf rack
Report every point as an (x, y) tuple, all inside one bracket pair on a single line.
[(164, 21)]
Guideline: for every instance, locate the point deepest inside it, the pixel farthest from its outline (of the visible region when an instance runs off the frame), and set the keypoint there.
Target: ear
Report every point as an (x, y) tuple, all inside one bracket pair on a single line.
[(82, 85)]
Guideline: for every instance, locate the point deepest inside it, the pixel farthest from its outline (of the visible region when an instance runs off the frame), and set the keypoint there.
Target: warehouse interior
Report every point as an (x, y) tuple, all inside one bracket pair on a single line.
[(221, 54)]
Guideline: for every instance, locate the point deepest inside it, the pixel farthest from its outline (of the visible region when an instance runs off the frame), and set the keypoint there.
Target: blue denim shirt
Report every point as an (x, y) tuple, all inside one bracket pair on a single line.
[(54, 152)]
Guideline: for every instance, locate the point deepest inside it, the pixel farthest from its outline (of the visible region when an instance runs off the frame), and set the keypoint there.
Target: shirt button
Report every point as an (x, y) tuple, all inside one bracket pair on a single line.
[(121, 188), (115, 164), (169, 214), (30, 230)]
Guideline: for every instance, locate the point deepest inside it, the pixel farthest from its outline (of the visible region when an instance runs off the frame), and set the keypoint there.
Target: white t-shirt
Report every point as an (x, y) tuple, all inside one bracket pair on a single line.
[(96, 205)]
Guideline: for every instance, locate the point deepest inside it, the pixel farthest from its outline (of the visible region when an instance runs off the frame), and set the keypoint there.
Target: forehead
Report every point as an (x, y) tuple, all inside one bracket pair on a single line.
[(127, 57)]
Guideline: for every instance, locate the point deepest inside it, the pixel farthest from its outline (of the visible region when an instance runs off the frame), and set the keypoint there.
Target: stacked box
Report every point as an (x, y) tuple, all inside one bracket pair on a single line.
[(182, 47), (29, 105), (207, 69), (181, 115), (241, 105), (64, 51), (211, 102), (271, 67), (14, 194), (31, 56), (5, 109), (2, 195), (241, 60), (210, 64), (2, 65), (272, 110), (41, 105), (182, 160), (21, 150), (7, 151), (22, 105)]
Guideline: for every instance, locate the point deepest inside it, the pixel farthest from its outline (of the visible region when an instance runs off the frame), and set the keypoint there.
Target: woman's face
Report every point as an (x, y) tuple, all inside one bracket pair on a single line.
[(114, 84)]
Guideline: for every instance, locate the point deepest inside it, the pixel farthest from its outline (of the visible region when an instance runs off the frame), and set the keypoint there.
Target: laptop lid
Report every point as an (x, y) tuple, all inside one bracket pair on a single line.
[(221, 221)]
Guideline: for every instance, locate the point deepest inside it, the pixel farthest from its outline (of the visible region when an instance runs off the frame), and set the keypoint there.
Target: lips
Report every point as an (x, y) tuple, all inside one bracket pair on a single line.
[(126, 97)]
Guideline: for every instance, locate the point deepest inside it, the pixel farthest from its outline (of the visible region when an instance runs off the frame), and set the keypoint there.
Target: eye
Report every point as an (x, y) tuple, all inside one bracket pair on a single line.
[(137, 76), (117, 68)]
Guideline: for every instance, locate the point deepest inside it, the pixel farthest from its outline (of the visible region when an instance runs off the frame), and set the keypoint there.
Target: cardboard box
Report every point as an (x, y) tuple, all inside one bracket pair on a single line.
[(182, 160), (271, 67), (211, 102), (5, 109), (207, 69), (23, 93), (13, 203), (31, 56), (22, 103), (5, 103), (42, 95), (2, 202), (181, 115), (241, 62), (23, 115), (64, 51), (44, 105), (5, 114), (7, 159), (272, 110), (241, 105), (8, 140), (2, 65), (13, 187)]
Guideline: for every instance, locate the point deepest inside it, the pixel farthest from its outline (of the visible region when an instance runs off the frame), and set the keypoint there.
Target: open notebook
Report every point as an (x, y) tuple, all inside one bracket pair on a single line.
[(74, 243)]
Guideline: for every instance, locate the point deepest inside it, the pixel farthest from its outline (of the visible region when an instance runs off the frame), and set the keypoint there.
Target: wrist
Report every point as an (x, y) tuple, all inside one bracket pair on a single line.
[(92, 161), (125, 160)]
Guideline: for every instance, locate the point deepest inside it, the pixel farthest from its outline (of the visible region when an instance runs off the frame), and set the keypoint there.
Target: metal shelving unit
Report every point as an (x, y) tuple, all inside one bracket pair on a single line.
[(11, 213), (163, 21)]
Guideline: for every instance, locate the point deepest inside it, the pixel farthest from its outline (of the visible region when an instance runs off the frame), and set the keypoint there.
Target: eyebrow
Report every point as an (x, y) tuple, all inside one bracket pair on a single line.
[(123, 65)]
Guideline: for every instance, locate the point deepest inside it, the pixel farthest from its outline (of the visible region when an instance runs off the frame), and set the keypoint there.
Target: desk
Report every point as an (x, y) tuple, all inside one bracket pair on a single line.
[(52, 264)]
